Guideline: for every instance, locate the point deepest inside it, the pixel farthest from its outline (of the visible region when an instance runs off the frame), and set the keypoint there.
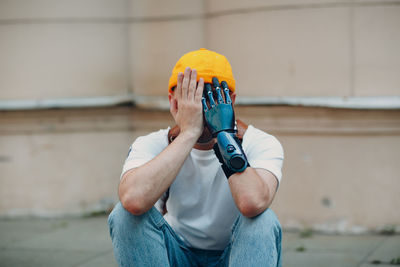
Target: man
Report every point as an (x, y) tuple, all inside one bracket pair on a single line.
[(198, 194)]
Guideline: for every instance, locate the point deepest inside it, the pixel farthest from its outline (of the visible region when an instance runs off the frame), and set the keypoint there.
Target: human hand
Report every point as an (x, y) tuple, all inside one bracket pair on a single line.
[(186, 106)]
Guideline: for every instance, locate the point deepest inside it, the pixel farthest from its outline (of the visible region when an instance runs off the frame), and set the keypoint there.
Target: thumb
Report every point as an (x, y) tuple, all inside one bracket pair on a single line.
[(173, 107)]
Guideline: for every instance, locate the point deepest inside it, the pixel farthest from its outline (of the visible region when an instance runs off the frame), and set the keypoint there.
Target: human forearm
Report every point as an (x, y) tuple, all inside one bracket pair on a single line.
[(253, 190), (141, 187)]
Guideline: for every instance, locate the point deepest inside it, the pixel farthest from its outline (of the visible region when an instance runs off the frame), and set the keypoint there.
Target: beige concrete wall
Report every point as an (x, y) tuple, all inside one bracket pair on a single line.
[(155, 47), (67, 161), (291, 52), (340, 171), (341, 168), (376, 38), (340, 183), (60, 49)]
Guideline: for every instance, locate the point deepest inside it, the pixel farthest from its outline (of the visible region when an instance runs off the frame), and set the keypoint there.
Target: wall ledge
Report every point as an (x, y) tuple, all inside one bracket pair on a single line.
[(161, 102)]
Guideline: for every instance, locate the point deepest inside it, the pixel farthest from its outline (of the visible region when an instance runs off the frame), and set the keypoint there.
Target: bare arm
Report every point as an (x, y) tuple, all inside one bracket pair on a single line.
[(253, 190), (141, 187)]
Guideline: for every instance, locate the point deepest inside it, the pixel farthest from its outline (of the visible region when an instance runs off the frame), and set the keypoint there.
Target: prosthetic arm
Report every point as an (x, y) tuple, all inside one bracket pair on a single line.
[(220, 119)]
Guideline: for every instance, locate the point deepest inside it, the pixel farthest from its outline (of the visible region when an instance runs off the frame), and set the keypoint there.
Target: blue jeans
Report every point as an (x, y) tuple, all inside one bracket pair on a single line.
[(148, 240)]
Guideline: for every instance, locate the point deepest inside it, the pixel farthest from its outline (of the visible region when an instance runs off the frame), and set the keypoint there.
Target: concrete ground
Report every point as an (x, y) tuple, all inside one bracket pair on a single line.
[(85, 242)]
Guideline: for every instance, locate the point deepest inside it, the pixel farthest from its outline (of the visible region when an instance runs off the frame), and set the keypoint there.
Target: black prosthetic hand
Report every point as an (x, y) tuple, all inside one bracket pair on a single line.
[(220, 120)]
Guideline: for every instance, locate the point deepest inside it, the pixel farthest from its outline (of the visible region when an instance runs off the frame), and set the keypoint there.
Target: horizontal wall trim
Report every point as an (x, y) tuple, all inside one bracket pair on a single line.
[(178, 17), (277, 120), (381, 102), (83, 102), (161, 102)]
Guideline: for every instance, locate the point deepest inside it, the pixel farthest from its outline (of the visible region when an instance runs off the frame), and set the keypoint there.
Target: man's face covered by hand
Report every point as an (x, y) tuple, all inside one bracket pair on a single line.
[(191, 70), (212, 90), (204, 112)]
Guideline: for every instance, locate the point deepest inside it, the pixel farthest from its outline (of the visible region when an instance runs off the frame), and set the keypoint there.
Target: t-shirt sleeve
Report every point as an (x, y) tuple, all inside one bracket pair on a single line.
[(144, 149), (263, 151)]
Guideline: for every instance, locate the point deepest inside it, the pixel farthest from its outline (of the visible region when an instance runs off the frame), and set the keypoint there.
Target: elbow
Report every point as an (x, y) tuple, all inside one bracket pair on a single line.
[(134, 204), (132, 200), (249, 211), (252, 207)]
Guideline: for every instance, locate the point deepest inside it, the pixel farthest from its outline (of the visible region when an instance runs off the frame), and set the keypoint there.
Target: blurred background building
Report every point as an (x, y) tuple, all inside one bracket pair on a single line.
[(80, 80)]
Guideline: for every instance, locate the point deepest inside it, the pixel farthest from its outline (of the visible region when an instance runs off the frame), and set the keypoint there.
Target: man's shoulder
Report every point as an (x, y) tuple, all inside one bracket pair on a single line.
[(162, 133), (257, 137), (253, 132), (156, 138)]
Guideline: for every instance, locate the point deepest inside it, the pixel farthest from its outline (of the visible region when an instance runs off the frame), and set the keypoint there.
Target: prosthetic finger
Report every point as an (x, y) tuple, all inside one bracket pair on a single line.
[(203, 100), (215, 82), (210, 95), (226, 91)]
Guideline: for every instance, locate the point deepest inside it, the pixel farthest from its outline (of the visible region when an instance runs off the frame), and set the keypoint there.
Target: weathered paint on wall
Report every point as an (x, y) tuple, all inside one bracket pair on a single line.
[(341, 168), (340, 171)]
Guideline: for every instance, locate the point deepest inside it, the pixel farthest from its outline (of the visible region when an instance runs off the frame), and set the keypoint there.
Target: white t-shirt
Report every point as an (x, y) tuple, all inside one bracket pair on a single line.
[(200, 206)]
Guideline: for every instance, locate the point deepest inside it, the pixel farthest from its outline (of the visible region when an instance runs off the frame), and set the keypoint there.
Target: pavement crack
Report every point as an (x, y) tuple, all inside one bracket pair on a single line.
[(364, 260)]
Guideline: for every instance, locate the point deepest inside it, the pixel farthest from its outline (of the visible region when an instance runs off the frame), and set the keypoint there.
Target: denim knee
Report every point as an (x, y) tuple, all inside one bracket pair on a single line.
[(138, 240), (264, 225), (120, 220), (256, 241)]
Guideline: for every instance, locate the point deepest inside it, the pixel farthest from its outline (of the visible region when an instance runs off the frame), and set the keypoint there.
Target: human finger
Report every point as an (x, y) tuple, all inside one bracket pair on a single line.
[(173, 107), (178, 89), (199, 90), (185, 83), (192, 84)]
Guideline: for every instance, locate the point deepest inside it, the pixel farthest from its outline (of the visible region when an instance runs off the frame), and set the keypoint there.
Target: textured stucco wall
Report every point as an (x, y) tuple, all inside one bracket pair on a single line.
[(58, 49), (340, 171), (341, 168)]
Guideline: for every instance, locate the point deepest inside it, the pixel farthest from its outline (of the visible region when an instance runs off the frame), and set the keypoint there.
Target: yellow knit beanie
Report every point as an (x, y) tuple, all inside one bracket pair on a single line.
[(208, 64)]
